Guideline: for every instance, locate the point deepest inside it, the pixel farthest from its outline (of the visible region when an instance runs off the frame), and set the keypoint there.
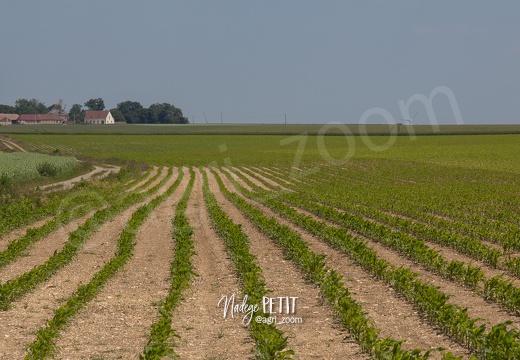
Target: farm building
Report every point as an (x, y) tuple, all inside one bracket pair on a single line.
[(102, 117), (39, 119), (8, 119)]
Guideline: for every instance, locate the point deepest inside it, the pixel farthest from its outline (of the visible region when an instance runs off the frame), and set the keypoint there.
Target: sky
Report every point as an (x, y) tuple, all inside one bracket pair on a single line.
[(267, 61)]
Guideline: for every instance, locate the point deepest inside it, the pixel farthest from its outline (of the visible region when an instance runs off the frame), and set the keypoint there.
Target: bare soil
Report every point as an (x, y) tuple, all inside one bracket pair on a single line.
[(19, 324), (390, 312), (18, 233), (250, 178), (10, 144), (117, 323), (319, 336), (266, 179), (203, 330), (268, 173), (99, 172), (39, 252), (152, 173)]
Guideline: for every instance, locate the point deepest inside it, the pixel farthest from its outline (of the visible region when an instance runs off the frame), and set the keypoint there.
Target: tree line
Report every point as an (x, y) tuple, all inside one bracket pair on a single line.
[(131, 112)]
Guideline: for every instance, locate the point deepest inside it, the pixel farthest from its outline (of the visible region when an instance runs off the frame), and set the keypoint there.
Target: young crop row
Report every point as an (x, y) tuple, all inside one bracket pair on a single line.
[(181, 270), (495, 289), (487, 216), (17, 212), (499, 342), (44, 344), (330, 282), (86, 202), (467, 245), (135, 181), (475, 219), (271, 342), (76, 204), (149, 181), (476, 195), (19, 286), (29, 166)]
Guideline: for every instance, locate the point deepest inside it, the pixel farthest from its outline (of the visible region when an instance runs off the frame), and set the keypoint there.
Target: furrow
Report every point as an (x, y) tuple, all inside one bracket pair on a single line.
[(395, 317), (116, 323), (203, 330)]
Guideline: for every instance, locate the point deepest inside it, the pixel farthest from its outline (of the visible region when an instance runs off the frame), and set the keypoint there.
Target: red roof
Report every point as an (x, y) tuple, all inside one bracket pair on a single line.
[(39, 117), (9, 116), (96, 114)]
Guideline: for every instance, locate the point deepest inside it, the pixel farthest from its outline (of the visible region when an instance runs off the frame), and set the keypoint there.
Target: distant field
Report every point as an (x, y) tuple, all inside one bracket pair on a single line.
[(259, 129), (493, 152)]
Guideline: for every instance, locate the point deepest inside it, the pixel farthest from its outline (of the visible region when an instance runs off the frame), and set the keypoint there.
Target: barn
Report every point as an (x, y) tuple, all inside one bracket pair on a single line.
[(39, 119), (8, 119)]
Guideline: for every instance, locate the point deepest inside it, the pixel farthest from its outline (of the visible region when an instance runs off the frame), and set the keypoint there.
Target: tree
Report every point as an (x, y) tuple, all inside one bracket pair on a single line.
[(182, 120), (58, 107), (77, 114), (131, 110), (118, 115), (7, 109), (168, 114), (30, 106), (95, 104), (147, 116)]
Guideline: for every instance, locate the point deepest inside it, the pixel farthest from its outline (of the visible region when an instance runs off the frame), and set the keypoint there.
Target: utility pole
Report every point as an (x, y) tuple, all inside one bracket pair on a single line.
[(221, 118), (285, 115), (193, 117)]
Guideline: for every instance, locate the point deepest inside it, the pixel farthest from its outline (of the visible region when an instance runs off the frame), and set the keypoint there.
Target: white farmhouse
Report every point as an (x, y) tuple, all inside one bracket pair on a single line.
[(102, 117)]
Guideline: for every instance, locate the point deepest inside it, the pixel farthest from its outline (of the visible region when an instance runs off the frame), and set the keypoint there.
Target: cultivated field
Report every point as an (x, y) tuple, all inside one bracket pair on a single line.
[(28, 166), (388, 248), (260, 129)]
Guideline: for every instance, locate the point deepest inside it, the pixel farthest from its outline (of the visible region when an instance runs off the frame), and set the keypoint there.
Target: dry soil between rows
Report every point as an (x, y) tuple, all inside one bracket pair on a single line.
[(391, 314), (42, 250), (319, 336), (18, 233), (478, 307), (19, 324), (203, 330), (249, 177), (152, 173), (117, 323)]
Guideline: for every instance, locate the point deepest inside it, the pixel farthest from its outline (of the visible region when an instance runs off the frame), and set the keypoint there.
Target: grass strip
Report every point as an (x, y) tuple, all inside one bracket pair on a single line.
[(28, 209), (23, 211)]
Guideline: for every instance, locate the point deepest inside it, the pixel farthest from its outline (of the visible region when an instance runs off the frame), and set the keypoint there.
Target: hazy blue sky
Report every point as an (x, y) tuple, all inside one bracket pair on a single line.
[(317, 61)]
